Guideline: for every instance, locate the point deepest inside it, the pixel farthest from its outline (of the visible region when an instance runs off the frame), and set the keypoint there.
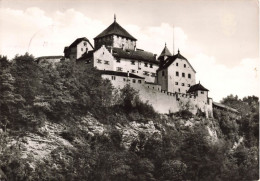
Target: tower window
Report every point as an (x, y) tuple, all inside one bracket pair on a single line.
[(189, 76), (183, 74), (177, 73)]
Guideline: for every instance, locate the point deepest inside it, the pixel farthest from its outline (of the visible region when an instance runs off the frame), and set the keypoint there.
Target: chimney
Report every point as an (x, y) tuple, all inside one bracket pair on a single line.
[(155, 55)]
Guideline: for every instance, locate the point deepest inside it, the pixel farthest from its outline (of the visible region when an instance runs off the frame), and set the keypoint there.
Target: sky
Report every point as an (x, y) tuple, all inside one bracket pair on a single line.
[(220, 38)]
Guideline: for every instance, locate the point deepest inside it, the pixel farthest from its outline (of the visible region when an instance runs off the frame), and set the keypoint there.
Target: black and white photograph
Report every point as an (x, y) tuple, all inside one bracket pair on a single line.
[(129, 90)]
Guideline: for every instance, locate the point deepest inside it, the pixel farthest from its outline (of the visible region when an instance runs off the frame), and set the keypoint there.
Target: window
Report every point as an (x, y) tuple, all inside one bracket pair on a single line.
[(146, 73), (189, 76), (106, 62), (133, 62), (183, 84), (163, 73), (85, 43), (124, 79), (118, 60), (184, 65), (202, 92), (139, 81), (119, 69), (151, 65), (183, 74), (133, 71), (153, 75), (99, 61), (179, 90), (188, 85), (113, 77), (177, 64), (176, 83), (133, 80), (82, 49), (177, 73), (146, 64)]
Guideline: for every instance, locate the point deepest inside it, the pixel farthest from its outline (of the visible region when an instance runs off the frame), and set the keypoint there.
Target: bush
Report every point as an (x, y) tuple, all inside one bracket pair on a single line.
[(184, 114)]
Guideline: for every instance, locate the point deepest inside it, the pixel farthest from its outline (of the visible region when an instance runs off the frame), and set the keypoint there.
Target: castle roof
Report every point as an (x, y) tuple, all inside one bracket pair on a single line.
[(115, 29), (87, 55), (222, 106), (77, 41), (197, 87), (165, 52), (171, 59), (134, 55), (122, 74)]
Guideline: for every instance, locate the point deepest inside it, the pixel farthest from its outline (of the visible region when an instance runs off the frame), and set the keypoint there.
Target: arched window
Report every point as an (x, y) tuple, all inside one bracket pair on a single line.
[(177, 73)]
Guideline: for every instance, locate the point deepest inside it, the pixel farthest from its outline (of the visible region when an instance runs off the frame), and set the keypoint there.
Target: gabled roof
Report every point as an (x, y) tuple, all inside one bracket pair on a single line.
[(165, 52), (77, 41), (171, 59), (115, 29), (87, 55), (197, 87), (134, 55), (122, 74)]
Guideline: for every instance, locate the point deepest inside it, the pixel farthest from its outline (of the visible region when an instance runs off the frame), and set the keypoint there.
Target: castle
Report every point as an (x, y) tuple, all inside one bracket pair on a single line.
[(167, 82)]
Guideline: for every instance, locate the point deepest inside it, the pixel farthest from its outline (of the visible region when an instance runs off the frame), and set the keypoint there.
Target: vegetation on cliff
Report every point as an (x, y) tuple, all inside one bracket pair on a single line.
[(64, 122)]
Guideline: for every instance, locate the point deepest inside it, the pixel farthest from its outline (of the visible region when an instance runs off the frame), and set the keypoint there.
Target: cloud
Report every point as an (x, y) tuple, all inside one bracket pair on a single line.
[(153, 38), (32, 30), (241, 80)]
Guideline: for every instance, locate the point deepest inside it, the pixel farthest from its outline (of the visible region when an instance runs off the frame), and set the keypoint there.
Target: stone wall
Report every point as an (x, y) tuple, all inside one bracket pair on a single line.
[(162, 101), (125, 43)]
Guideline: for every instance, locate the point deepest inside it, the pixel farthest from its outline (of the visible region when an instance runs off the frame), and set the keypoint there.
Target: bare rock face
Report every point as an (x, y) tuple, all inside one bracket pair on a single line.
[(91, 125), (131, 132)]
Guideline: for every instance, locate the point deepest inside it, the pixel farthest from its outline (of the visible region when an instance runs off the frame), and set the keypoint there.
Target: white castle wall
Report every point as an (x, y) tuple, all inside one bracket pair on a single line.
[(119, 42), (163, 102)]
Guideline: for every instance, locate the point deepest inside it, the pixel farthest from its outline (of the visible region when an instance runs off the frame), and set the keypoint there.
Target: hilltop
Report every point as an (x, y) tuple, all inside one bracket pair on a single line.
[(65, 122)]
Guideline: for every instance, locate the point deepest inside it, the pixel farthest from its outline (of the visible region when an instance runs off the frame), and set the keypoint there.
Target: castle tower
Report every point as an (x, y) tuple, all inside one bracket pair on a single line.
[(115, 36), (164, 55)]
